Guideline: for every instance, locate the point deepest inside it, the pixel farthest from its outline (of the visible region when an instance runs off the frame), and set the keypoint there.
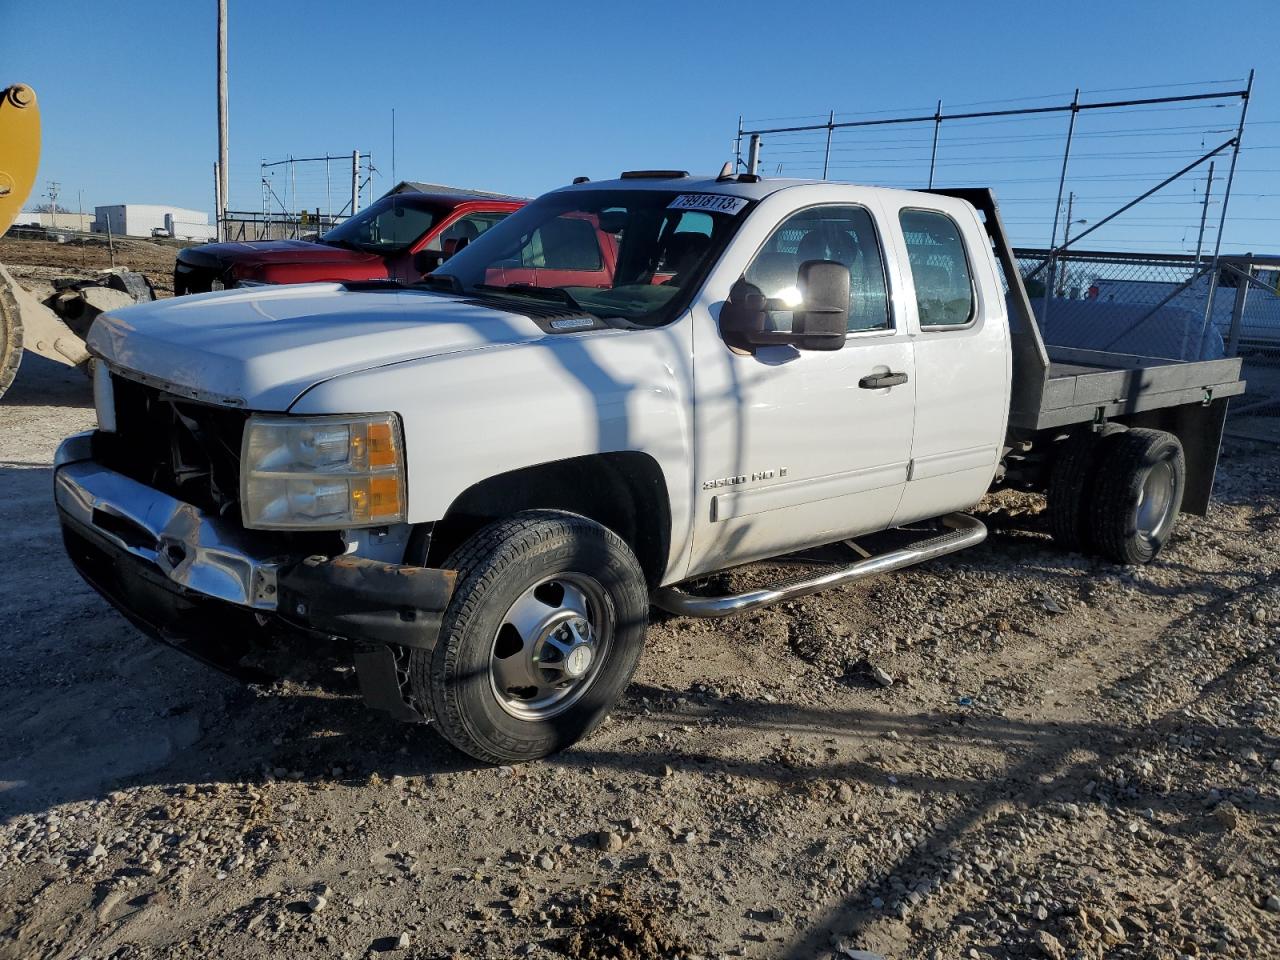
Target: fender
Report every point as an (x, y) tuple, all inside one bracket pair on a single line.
[(604, 391)]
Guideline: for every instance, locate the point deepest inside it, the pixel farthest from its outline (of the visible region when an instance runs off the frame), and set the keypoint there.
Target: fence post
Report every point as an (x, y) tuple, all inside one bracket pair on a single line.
[(826, 157), (933, 154), (1226, 193), (1237, 312), (1057, 208)]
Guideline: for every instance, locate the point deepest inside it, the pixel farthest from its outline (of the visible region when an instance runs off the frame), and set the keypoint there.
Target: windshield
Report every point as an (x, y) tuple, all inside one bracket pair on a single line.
[(388, 226), (631, 254)]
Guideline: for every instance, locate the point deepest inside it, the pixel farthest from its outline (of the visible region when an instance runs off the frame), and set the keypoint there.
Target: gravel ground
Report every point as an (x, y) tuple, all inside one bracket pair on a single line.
[(1012, 753)]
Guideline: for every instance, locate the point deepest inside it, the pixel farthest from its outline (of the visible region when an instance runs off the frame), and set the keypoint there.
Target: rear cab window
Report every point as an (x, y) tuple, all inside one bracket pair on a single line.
[(940, 271)]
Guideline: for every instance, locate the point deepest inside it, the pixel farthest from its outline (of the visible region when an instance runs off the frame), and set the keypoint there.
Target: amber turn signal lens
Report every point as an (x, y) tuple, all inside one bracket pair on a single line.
[(382, 445), (384, 497)]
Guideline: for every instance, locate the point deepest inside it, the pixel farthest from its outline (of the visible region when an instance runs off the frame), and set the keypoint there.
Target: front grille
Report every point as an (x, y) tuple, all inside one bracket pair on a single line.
[(186, 449)]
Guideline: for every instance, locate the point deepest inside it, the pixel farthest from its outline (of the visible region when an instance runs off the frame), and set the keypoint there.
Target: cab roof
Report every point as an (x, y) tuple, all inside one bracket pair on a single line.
[(756, 189)]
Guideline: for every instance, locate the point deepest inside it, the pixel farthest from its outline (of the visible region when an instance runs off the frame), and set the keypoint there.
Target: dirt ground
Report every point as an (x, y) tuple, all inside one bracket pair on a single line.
[(1070, 760), (37, 262)]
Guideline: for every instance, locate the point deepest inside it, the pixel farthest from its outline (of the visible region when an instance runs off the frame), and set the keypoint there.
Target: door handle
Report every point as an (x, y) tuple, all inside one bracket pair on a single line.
[(878, 381)]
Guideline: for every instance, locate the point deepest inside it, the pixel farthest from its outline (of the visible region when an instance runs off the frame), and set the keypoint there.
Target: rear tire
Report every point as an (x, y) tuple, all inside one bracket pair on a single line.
[(540, 638), (1141, 475), (10, 338), (1070, 490), (1068, 483)]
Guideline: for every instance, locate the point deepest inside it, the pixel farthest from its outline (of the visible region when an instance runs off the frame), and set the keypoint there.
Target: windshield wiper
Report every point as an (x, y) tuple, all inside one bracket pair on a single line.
[(558, 294), (441, 281)]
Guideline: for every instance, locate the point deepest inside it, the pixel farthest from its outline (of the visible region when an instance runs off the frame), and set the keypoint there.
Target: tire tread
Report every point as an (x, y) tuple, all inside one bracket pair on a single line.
[(480, 561)]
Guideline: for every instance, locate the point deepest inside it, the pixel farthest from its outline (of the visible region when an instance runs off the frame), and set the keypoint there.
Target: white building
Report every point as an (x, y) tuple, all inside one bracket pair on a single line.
[(55, 221), (150, 219)]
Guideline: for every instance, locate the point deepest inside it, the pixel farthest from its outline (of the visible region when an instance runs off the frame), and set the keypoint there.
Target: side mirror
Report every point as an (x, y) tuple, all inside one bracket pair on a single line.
[(743, 317), (824, 285), (424, 261), (820, 323)]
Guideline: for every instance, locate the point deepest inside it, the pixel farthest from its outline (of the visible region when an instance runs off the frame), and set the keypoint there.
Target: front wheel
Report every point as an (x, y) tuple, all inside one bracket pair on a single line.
[(540, 639), (10, 333)]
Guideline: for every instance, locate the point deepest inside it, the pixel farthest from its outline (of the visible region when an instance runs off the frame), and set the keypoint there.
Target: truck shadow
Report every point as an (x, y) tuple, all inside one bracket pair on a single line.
[(90, 705)]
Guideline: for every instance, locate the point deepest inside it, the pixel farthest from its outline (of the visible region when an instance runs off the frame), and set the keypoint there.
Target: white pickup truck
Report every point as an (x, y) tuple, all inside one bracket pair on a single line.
[(483, 481)]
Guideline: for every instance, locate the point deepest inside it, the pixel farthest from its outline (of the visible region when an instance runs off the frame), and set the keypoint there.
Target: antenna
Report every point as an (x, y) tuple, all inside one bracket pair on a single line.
[(726, 172)]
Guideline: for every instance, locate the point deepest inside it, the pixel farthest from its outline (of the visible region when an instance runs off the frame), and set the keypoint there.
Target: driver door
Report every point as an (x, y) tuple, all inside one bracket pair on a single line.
[(798, 447)]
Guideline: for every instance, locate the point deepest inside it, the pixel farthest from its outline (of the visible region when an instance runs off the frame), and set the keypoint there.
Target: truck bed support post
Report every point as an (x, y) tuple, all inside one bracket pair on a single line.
[(753, 154)]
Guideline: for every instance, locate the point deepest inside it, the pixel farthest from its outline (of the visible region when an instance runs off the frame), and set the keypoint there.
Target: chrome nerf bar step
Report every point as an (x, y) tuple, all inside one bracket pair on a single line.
[(965, 531)]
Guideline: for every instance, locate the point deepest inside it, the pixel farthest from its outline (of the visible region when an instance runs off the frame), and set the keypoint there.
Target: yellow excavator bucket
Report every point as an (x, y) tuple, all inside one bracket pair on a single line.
[(19, 149), (24, 320)]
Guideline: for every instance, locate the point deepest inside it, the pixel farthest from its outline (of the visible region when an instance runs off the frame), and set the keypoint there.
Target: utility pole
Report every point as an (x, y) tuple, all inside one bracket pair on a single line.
[(80, 226), (54, 188), (1204, 211), (217, 202), (394, 181), (222, 119), (355, 181)]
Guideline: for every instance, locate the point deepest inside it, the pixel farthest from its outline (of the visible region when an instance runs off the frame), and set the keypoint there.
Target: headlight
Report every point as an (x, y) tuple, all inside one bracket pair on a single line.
[(322, 472)]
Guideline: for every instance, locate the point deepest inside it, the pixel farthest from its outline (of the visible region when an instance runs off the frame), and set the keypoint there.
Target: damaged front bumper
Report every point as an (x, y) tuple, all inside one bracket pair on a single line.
[(202, 584)]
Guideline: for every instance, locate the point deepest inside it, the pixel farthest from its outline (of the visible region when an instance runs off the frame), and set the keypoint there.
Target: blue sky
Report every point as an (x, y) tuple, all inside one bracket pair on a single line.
[(523, 97)]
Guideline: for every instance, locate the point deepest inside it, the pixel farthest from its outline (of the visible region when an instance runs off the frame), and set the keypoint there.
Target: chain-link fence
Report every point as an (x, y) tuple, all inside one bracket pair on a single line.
[(251, 225), (1154, 305)]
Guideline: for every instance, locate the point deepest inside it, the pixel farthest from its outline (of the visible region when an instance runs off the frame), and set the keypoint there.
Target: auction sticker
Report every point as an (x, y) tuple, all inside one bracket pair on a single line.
[(710, 202)]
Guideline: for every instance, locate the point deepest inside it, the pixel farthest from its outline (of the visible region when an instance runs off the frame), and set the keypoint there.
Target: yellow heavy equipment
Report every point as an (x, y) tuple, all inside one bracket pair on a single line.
[(25, 322)]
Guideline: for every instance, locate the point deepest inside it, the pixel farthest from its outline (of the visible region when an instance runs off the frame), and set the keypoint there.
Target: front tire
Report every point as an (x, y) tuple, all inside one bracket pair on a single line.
[(540, 638), (10, 335), (1137, 494)]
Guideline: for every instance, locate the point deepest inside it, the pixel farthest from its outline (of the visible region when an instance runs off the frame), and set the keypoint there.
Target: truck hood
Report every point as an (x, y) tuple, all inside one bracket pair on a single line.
[(266, 252), (262, 347)]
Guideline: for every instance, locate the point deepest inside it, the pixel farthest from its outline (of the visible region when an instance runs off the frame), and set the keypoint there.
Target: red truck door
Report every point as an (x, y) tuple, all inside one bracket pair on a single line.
[(442, 241)]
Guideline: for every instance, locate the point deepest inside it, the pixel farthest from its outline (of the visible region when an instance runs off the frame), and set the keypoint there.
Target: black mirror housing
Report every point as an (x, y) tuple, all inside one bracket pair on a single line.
[(820, 324), (424, 261), (824, 285)]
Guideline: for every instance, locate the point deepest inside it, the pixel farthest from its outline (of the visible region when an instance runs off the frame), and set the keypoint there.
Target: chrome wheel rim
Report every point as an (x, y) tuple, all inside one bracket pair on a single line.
[(550, 646), (1155, 501)]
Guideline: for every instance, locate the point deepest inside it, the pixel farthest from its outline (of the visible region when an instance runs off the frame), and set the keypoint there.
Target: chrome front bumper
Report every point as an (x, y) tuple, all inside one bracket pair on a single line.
[(195, 551)]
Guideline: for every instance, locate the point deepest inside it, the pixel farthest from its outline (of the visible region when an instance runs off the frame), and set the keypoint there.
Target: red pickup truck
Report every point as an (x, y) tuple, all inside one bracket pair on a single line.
[(401, 236)]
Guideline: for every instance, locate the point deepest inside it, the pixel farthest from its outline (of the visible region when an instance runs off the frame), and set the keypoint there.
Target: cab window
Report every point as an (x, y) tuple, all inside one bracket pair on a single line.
[(939, 268), (845, 234), (464, 228)]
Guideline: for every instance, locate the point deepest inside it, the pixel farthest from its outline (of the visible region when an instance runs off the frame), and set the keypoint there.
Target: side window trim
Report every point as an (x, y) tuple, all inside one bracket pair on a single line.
[(968, 265), (894, 327)]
